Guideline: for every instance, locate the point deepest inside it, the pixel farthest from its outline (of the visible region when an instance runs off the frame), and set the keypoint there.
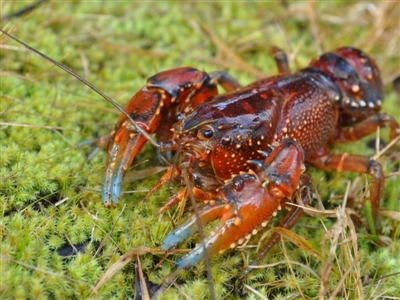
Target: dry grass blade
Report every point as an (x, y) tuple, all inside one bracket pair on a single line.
[(394, 215), (234, 60), (108, 235), (283, 262), (143, 286), (297, 240), (141, 174), (297, 283), (350, 254), (255, 292), (119, 264)]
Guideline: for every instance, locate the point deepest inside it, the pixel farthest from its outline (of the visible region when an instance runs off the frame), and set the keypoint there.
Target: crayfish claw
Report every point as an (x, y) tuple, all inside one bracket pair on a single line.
[(246, 203), (124, 147), (244, 210), (207, 214)]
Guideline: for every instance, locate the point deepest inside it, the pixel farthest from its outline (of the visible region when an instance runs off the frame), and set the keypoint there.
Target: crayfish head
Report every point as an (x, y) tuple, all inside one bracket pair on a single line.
[(196, 140)]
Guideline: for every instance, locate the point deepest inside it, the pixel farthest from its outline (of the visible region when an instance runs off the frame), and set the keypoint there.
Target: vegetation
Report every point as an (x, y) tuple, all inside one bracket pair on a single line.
[(49, 191)]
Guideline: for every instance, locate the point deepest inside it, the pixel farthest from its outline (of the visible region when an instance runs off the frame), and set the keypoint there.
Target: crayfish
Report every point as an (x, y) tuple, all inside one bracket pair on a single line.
[(243, 152)]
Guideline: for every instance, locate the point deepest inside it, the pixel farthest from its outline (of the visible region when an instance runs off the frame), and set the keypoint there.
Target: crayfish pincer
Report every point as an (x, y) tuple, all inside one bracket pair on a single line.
[(244, 150), (246, 203)]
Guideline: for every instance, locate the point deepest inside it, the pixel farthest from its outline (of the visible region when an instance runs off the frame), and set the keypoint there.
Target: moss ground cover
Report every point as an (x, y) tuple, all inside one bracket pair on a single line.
[(49, 191)]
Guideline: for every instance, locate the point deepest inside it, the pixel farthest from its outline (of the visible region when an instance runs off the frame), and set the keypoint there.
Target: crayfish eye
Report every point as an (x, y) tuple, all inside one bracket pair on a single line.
[(205, 133), (178, 117)]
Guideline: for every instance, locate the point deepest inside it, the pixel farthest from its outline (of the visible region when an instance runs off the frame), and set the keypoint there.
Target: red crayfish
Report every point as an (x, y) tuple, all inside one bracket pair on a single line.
[(243, 152)]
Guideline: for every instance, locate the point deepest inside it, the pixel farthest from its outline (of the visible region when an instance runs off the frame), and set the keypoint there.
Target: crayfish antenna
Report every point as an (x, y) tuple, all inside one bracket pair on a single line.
[(87, 83)]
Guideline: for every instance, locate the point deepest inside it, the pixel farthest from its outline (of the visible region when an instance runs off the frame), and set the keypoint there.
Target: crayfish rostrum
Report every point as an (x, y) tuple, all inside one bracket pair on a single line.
[(243, 152)]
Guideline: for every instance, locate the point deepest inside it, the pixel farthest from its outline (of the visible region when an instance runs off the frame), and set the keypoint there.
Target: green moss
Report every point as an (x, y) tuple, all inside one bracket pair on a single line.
[(117, 47)]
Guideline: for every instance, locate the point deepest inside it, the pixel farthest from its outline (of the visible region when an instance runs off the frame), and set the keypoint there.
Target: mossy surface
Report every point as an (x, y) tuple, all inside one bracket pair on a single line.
[(45, 112)]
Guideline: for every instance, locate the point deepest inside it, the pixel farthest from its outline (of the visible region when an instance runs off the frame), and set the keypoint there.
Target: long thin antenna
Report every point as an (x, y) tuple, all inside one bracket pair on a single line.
[(80, 78)]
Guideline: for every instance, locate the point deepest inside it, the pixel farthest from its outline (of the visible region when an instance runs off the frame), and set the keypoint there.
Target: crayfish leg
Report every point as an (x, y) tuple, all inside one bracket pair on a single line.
[(360, 164), (357, 164), (367, 127), (173, 200), (228, 82), (281, 60), (173, 173)]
